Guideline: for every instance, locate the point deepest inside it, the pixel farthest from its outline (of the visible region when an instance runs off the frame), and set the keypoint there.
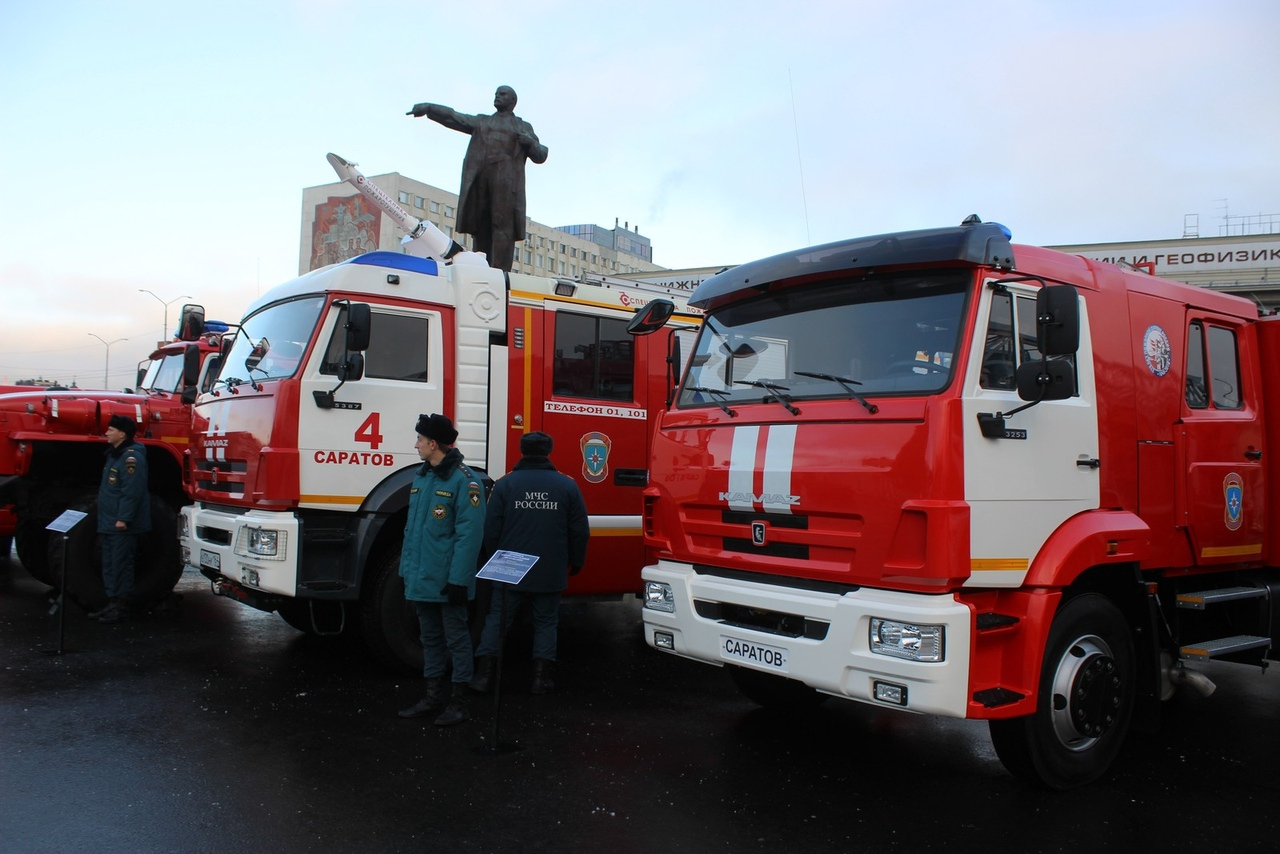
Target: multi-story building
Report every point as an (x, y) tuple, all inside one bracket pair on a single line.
[(338, 223)]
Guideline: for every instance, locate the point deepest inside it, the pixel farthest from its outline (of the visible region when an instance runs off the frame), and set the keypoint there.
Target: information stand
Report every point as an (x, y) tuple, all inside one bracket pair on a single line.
[(504, 568), (63, 525)]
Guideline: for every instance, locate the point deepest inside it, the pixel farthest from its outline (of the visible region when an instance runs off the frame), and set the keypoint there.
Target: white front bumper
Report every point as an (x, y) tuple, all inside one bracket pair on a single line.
[(841, 663), (215, 539)]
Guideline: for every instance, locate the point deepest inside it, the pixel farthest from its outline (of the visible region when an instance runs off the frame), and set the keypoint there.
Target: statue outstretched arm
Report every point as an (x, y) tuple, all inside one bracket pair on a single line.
[(446, 116)]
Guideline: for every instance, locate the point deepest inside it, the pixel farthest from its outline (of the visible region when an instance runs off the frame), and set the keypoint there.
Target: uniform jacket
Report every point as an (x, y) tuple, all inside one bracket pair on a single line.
[(495, 149), (539, 511), (123, 495), (445, 530)]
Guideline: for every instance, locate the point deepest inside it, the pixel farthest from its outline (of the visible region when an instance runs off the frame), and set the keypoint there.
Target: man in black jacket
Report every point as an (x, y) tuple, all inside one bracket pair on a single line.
[(534, 510)]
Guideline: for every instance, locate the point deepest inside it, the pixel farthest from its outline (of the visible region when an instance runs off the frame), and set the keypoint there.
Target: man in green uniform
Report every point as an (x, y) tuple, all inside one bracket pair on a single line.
[(442, 539)]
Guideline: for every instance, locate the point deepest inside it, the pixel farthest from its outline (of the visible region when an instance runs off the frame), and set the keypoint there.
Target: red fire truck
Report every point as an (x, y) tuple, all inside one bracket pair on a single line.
[(938, 472), (51, 446), (304, 449)]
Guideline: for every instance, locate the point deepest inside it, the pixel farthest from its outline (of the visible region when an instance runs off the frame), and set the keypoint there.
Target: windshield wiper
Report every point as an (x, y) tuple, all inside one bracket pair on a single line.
[(774, 391), (846, 384), (716, 394)]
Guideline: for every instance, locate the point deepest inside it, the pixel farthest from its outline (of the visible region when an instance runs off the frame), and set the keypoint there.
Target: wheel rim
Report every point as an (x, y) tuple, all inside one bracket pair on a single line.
[(1087, 693)]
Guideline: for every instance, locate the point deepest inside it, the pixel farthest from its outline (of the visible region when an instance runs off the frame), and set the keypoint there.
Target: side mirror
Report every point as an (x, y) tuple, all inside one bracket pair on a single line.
[(256, 355), (353, 368), (191, 366), (359, 325), (190, 323), (142, 374), (1058, 320), (652, 317), (1053, 379)]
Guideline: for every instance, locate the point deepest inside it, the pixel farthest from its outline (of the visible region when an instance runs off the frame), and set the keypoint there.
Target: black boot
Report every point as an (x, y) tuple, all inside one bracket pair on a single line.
[(541, 676), (431, 703), (483, 681), (457, 711), (116, 611)]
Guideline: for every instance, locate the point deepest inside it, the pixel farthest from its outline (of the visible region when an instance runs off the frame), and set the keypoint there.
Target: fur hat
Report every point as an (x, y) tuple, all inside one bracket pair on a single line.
[(437, 428), (536, 444), (124, 424)]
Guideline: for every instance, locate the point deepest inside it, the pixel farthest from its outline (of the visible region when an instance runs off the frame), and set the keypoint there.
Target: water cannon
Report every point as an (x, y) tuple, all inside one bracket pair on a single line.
[(422, 238)]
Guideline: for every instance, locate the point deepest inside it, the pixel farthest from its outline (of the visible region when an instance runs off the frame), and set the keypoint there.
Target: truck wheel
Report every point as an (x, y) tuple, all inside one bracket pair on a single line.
[(32, 541), (6, 546), (775, 692), (389, 623), (1086, 700), (157, 569)]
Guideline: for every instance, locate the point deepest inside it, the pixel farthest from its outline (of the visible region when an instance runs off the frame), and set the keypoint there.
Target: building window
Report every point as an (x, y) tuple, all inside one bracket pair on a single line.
[(435, 207), (448, 211), (404, 197), (419, 202)]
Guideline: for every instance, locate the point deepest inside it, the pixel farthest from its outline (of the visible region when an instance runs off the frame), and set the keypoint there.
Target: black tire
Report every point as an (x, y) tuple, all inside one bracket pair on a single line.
[(6, 547), (774, 692), (158, 566), (32, 541), (388, 621), (1087, 688)]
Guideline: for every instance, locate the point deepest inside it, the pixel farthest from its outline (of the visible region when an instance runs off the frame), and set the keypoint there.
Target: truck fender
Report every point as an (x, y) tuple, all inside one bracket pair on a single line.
[(1095, 538)]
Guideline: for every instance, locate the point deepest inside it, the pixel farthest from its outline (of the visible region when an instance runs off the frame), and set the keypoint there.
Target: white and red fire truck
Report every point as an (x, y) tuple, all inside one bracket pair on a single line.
[(304, 449), (51, 446), (939, 472)]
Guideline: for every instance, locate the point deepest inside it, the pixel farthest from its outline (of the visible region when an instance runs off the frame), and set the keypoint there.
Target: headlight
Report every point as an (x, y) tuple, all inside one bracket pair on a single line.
[(658, 597), (262, 542), (907, 640)]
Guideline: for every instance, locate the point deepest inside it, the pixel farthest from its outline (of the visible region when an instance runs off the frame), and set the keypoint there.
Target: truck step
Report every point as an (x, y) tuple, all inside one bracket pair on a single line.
[(1206, 650), (1200, 599)]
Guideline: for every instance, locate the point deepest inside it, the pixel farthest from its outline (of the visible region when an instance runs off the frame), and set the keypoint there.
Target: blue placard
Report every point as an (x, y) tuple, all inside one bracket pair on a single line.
[(507, 567)]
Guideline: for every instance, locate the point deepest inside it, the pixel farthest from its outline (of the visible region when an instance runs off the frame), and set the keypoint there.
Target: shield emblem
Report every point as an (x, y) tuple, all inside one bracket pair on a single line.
[(595, 456), (1233, 500)]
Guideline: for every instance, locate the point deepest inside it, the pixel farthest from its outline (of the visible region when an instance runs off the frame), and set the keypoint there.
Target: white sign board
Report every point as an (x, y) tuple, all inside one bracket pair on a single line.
[(507, 567), (68, 520)]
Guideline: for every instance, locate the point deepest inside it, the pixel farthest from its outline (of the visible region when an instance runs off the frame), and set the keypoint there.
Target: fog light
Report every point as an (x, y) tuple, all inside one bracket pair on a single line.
[(887, 692), (906, 640), (186, 556), (664, 640), (250, 577), (263, 542), (659, 597)]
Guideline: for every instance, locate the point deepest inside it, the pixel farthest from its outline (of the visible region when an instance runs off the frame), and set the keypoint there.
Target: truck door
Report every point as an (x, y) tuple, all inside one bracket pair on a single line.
[(596, 410), (1022, 487), (1221, 442)]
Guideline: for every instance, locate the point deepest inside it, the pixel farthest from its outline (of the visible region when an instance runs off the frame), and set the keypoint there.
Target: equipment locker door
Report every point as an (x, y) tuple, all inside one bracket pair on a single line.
[(1221, 442)]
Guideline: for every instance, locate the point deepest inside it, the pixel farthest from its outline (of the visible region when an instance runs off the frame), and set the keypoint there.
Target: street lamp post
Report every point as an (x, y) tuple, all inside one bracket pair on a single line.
[(106, 367), (164, 331)]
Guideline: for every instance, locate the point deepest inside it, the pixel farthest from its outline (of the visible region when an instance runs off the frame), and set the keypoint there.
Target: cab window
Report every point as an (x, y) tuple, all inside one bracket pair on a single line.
[(593, 357)]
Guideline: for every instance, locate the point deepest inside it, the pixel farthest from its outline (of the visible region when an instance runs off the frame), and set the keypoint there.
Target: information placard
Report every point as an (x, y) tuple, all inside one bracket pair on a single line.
[(68, 520), (507, 567)]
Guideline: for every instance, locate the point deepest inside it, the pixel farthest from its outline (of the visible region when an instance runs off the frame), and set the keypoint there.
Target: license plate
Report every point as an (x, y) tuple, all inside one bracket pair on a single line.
[(757, 655), (210, 559)]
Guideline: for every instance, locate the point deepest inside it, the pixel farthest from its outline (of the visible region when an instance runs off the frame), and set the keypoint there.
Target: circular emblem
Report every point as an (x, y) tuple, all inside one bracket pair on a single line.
[(1157, 351), (438, 511), (487, 305)]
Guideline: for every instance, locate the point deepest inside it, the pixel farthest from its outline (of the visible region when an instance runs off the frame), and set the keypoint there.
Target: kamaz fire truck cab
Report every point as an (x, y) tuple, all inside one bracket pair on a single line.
[(938, 472), (304, 453)]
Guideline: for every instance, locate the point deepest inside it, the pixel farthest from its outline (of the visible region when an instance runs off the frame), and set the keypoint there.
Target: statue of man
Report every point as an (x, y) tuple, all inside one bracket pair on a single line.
[(491, 204)]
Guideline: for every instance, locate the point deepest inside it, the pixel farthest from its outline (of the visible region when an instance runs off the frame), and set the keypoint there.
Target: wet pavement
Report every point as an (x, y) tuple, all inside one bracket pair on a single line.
[(212, 727)]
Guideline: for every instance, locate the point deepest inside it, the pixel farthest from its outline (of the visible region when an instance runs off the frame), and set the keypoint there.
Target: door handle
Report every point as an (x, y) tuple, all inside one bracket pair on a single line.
[(1253, 454), (1089, 464), (631, 477)]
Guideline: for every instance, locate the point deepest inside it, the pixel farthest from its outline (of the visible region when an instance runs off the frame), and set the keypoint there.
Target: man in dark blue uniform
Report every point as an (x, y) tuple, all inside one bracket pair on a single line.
[(534, 510), (124, 513)]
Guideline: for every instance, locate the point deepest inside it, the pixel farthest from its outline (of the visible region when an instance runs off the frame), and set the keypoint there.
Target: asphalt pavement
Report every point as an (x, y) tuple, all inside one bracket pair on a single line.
[(210, 727)]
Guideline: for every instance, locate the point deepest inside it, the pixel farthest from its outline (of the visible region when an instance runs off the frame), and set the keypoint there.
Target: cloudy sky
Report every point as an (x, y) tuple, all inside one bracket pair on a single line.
[(164, 146)]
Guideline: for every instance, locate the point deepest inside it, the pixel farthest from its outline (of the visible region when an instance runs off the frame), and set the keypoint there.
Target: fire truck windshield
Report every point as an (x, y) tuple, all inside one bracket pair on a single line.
[(270, 344), (164, 374), (870, 336)]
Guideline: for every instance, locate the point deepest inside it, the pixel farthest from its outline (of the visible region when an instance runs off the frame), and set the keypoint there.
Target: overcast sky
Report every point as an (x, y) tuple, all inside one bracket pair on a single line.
[(164, 146)]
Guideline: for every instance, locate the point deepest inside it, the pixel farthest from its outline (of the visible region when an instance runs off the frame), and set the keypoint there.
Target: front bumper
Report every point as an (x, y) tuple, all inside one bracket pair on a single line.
[(217, 541), (840, 661)]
